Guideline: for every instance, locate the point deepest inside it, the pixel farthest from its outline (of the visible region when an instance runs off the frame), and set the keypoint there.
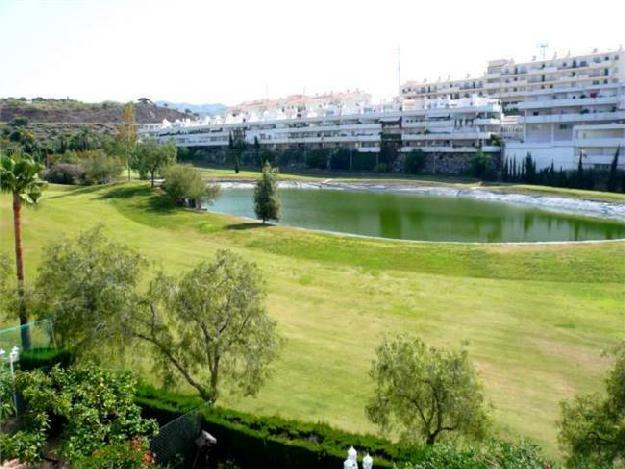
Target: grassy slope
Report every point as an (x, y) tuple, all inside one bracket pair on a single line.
[(535, 318)]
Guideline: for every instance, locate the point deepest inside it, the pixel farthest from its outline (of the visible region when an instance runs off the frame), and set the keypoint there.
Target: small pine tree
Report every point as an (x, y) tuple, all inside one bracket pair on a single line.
[(266, 200)]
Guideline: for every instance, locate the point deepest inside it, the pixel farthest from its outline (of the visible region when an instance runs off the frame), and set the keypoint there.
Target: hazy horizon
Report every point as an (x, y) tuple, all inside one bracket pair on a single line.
[(201, 52)]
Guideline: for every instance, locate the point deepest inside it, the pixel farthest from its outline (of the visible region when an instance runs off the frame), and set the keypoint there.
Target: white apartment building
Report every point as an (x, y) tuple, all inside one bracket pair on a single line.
[(546, 102), (443, 127), (558, 126), (513, 82)]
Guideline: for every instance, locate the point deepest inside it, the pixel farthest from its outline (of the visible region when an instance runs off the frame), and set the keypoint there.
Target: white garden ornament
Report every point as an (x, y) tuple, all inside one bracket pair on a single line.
[(352, 457)]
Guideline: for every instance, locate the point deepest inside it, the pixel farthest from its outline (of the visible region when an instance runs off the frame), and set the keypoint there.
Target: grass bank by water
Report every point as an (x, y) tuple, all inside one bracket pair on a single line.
[(222, 174)]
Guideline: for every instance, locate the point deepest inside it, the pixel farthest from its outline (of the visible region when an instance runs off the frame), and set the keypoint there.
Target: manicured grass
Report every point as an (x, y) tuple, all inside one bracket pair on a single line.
[(534, 318)]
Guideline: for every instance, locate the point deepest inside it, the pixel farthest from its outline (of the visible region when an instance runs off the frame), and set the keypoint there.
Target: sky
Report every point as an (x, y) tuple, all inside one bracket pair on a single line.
[(228, 51)]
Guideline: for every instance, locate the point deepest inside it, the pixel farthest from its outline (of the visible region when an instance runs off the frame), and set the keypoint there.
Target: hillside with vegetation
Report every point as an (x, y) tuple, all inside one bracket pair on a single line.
[(70, 111)]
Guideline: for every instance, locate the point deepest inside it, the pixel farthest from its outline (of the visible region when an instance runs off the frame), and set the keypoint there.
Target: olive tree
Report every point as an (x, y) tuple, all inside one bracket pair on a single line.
[(425, 392), (151, 158), (210, 326), (86, 286), (592, 427), (184, 183)]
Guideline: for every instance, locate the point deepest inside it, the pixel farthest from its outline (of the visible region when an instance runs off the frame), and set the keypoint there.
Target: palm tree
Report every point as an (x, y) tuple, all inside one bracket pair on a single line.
[(19, 177)]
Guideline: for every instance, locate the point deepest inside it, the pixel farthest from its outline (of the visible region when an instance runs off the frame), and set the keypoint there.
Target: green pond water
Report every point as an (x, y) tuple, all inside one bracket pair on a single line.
[(425, 218)]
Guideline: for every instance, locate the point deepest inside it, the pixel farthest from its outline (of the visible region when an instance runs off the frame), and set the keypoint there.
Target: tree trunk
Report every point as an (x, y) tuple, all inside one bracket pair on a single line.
[(214, 380), (431, 439), (19, 263), (151, 179)]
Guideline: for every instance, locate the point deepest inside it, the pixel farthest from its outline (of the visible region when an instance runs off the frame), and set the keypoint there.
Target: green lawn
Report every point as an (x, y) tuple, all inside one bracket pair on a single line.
[(535, 318)]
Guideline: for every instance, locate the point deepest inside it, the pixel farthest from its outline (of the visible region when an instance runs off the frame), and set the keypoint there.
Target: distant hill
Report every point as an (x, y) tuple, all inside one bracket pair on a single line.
[(69, 111), (200, 109)]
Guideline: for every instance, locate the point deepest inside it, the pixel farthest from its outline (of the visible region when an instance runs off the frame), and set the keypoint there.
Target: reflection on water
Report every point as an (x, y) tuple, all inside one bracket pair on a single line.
[(404, 216)]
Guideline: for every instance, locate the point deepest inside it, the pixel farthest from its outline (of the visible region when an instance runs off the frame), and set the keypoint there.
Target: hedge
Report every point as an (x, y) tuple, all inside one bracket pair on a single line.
[(44, 358), (253, 441)]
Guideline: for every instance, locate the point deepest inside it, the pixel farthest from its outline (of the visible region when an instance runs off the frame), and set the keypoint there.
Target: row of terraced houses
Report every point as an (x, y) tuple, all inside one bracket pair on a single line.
[(559, 110)]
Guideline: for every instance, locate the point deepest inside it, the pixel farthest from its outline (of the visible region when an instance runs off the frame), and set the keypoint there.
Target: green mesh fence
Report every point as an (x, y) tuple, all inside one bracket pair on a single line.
[(174, 446), (40, 333)]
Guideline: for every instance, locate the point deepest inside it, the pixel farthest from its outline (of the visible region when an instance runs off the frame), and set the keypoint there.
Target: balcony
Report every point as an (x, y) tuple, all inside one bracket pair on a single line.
[(549, 103), (573, 117), (599, 142)]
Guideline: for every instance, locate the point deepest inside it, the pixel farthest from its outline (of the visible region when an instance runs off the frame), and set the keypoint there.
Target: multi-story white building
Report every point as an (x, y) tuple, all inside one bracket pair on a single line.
[(554, 121), (513, 82), (553, 99), (442, 127), (558, 110)]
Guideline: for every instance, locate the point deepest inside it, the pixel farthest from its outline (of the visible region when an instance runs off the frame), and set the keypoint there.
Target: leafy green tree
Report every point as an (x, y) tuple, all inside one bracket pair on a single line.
[(151, 158), (184, 183), (84, 139), (86, 286), (210, 327), (266, 200), (425, 392), (592, 427), (19, 177)]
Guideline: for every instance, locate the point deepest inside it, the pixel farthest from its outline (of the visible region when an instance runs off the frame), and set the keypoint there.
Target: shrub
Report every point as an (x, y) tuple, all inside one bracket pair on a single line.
[(267, 156), (64, 173), (99, 167), (415, 162), (480, 164), (340, 158), (364, 161), (94, 409), (380, 168), (45, 358), (291, 156), (317, 158)]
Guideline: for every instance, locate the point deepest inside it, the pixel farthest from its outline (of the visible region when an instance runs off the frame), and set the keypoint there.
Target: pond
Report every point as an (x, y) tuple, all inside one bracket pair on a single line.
[(420, 217)]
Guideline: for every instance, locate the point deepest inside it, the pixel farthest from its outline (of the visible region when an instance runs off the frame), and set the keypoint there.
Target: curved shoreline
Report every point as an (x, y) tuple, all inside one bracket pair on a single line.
[(590, 208)]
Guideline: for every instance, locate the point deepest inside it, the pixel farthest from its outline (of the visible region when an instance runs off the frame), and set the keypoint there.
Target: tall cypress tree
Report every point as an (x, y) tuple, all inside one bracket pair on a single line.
[(266, 200), (580, 173), (613, 171)]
